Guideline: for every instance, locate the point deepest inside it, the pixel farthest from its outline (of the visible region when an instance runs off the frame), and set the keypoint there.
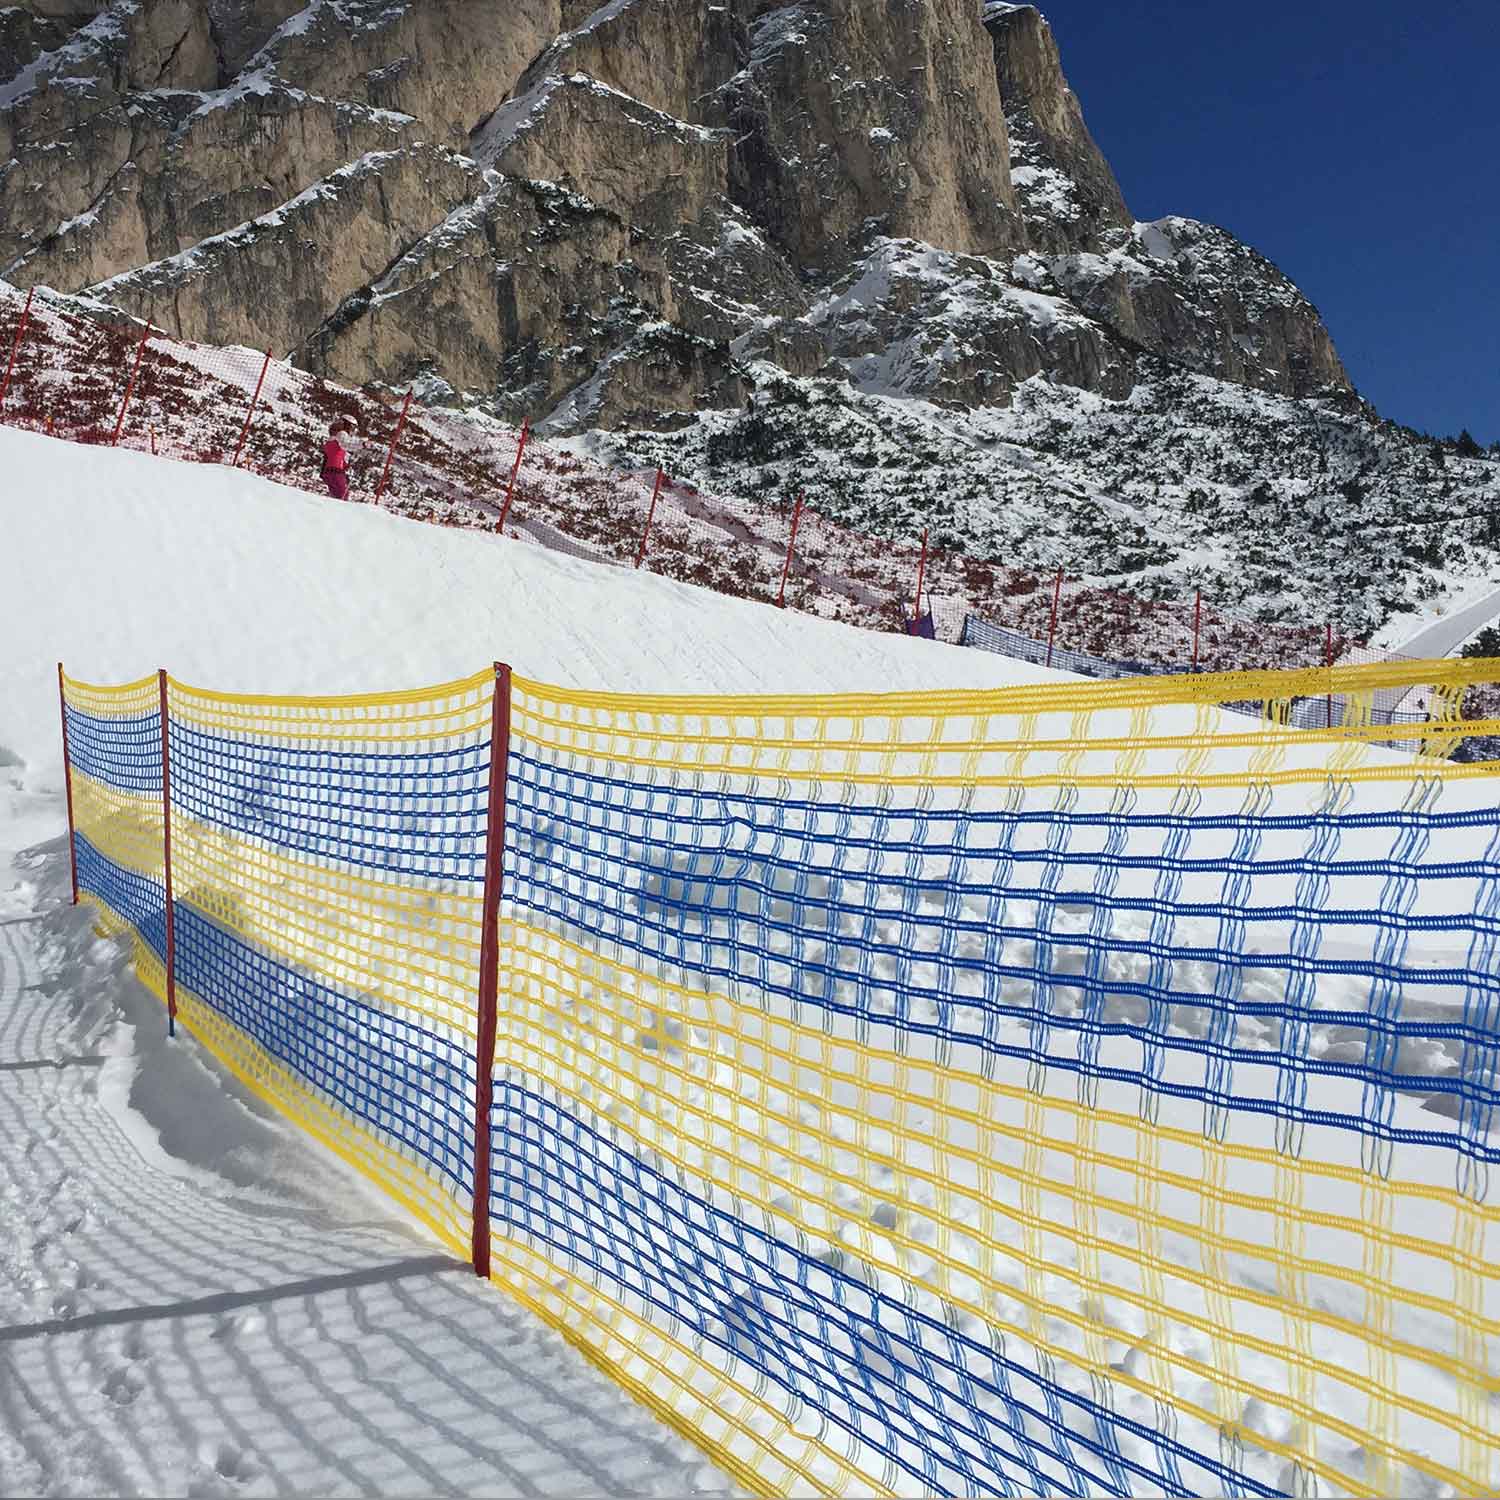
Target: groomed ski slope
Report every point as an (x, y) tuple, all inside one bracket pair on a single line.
[(246, 1320)]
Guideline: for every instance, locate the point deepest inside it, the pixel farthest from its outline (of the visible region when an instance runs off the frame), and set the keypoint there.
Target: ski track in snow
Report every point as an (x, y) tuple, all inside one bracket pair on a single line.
[(193, 1301), (1444, 635)]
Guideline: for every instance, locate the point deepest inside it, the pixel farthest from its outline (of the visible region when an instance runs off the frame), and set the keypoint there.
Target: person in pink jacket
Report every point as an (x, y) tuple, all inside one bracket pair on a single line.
[(336, 461)]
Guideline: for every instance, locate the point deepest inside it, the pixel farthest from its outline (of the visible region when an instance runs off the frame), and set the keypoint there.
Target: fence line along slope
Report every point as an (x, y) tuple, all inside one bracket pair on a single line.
[(74, 371), (1068, 1089)]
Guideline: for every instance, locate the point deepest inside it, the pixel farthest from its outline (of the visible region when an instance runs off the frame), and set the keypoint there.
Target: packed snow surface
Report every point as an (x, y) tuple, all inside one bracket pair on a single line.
[(118, 563)]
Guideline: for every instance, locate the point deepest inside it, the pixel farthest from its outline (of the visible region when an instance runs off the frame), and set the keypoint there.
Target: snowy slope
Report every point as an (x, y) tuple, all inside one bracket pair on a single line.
[(246, 1318), (240, 585), (1294, 511), (1363, 526)]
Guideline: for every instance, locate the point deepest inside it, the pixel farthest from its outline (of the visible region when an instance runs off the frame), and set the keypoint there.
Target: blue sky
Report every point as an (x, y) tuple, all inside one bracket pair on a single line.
[(1355, 144)]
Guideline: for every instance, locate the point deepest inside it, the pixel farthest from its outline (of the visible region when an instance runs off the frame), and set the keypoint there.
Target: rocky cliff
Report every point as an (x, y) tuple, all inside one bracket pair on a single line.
[(703, 224), (597, 214)]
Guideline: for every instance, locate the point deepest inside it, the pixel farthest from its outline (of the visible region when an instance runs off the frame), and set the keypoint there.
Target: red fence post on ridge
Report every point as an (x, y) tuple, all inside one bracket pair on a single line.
[(15, 348), (166, 831), (1197, 630), (489, 967), (640, 556), (239, 447), (62, 699), (515, 475), (1056, 605), (385, 473), (921, 579), (135, 370), (791, 544)]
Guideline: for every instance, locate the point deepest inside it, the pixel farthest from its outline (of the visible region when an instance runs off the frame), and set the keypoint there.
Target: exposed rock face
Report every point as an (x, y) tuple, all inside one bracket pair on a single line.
[(240, 27), (652, 170), (1197, 295), (214, 292), (673, 55), (850, 115), (599, 214), (168, 175), (1067, 190), (126, 49), (446, 63), (914, 321), (26, 33)]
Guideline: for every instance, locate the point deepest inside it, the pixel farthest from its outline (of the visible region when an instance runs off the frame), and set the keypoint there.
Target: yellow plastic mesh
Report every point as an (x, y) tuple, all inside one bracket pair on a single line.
[(115, 770), (335, 840)]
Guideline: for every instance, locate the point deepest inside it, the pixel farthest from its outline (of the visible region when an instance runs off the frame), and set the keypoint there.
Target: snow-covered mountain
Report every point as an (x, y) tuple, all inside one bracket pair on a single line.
[(1298, 511), (872, 252)]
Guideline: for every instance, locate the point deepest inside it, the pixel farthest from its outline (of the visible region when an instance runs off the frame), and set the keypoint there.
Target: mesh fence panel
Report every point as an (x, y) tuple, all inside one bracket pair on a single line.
[(995, 1096), (1409, 701), (114, 749), (327, 861), (1061, 1090)]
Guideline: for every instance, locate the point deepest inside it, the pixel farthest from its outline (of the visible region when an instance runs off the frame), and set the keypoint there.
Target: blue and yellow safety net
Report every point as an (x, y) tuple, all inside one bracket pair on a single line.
[(1059, 1090)]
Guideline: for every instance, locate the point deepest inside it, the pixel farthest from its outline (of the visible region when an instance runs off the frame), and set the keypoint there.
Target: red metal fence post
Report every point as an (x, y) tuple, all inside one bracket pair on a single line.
[(62, 699), (250, 415), (135, 371), (489, 967), (1056, 604), (1198, 630), (166, 829), (1328, 662), (791, 544), (921, 579), (391, 452), (515, 474), (640, 556), (15, 349)]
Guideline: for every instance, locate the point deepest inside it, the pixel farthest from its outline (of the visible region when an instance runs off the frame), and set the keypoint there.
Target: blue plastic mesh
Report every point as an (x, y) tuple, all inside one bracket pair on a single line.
[(1285, 968), (885, 1372), (814, 902), (416, 812), (124, 753)]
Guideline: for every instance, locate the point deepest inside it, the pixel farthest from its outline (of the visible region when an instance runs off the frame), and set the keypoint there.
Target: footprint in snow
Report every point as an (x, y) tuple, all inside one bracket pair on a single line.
[(124, 1385), (236, 1326), (225, 1462)]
